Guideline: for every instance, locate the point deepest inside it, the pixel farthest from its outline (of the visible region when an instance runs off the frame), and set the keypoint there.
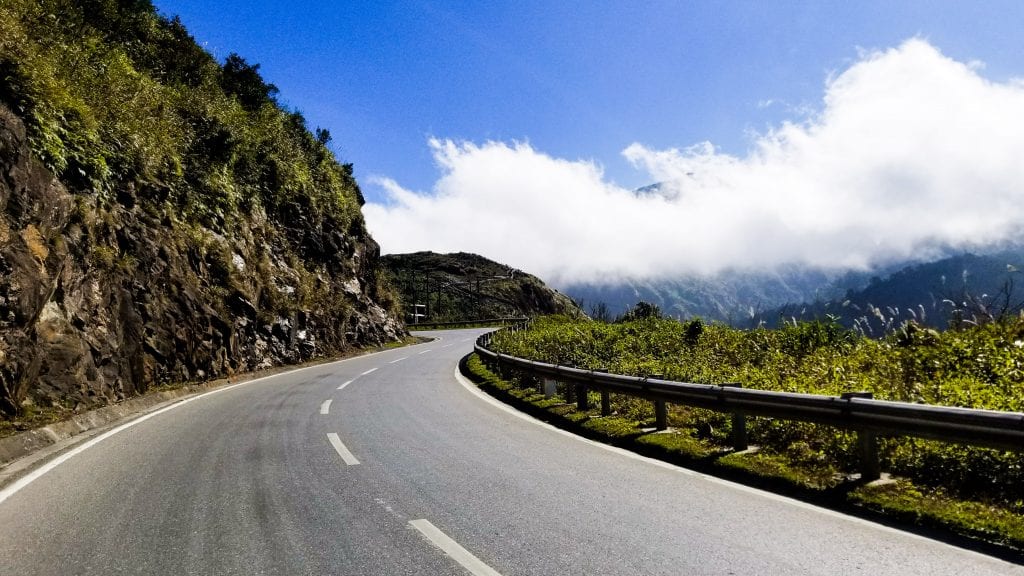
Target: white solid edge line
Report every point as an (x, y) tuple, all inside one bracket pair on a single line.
[(370, 371), (325, 408), (456, 552), (523, 416), (14, 487), (27, 479), (735, 486), (398, 360), (342, 451), (347, 382)]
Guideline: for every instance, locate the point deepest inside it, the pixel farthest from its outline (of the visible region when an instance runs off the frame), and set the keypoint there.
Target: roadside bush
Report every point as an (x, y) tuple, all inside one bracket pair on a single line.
[(976, 368)]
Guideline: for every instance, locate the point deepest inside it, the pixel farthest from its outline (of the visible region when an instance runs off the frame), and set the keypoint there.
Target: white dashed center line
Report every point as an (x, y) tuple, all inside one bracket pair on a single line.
[(371, 370), (424, 352), (325, 408), (342, 387), (397, 361), (452, 548), (342, 451)]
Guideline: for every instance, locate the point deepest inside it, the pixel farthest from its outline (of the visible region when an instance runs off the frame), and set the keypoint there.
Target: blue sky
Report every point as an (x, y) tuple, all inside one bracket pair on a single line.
[(575, 79), (412, 91)]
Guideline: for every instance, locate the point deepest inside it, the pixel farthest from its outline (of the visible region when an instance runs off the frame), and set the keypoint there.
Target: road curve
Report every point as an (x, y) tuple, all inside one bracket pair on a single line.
[(387, 464)]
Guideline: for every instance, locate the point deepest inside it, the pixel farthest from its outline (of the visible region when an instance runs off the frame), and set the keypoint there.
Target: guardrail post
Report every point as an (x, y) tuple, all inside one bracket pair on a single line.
[(660, 409), (582, 399), (870, 469), (549, 387), (606, 397), (660, 415), (867, 441), (739, 424)]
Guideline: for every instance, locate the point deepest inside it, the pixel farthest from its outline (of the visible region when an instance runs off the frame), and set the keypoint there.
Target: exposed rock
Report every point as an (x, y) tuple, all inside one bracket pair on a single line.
[(105, 295)]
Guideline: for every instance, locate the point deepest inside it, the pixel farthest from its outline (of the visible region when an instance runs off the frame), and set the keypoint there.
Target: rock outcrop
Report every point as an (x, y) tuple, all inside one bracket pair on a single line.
[(106, 294)]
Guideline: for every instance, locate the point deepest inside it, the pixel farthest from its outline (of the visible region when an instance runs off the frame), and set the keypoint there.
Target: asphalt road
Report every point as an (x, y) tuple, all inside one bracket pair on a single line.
[(388, 464)]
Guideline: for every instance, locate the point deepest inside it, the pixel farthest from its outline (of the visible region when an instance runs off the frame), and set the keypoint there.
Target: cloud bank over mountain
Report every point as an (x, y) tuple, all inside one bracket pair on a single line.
[(910, 153)]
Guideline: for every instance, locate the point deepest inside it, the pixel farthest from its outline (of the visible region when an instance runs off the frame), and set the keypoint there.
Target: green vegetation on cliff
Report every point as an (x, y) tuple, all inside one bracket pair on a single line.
[(111, 92), (162, 217)]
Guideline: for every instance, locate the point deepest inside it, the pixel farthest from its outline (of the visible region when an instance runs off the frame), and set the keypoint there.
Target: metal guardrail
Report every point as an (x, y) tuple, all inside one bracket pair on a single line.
[(855, 411), (490, 321)]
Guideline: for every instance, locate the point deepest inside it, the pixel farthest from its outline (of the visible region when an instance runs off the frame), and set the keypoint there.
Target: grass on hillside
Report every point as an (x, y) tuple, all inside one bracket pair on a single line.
[(114, 93)]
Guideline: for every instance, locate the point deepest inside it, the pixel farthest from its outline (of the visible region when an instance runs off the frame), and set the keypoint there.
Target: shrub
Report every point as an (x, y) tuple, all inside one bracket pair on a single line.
[(979, 367)]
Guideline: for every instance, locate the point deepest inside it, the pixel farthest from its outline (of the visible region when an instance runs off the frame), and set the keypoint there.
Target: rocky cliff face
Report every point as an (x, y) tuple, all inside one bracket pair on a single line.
[(105, 294)]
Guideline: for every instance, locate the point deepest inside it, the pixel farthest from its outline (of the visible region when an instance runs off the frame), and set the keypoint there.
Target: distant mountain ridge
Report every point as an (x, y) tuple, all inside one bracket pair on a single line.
[(726, 297), (963, 288), (749, 298), (462, 286)]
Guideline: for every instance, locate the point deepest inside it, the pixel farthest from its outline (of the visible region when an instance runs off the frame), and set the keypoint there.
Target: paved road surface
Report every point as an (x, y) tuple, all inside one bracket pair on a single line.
[(387, 464)]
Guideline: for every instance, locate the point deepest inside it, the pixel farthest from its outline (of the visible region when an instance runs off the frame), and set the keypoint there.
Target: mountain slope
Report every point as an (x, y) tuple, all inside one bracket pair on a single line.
[(461, 286), (966, 287), (162, 217), (727, 297), (969, 283)]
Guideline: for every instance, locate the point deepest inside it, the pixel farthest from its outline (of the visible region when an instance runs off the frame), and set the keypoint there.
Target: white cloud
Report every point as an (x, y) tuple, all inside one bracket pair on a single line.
[(911, 152)]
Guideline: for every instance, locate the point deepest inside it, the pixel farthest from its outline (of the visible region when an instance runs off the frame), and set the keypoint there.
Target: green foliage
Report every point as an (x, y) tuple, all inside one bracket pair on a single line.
[(243, 80), (979, 367), (902, 499), (779, 467), (112, 93), (798, 465), (465, 287), (103, 257), (641, 311), (678, 444), (614, 427)]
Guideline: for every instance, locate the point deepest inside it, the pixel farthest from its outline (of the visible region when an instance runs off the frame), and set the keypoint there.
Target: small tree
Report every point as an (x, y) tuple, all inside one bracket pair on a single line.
[(641, 311), (243, 80), (323, 136)]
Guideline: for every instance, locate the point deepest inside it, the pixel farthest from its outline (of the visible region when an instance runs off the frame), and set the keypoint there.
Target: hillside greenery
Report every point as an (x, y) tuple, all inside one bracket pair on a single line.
[(165, 218), (977, 367), (461, 287), (113, 92)]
